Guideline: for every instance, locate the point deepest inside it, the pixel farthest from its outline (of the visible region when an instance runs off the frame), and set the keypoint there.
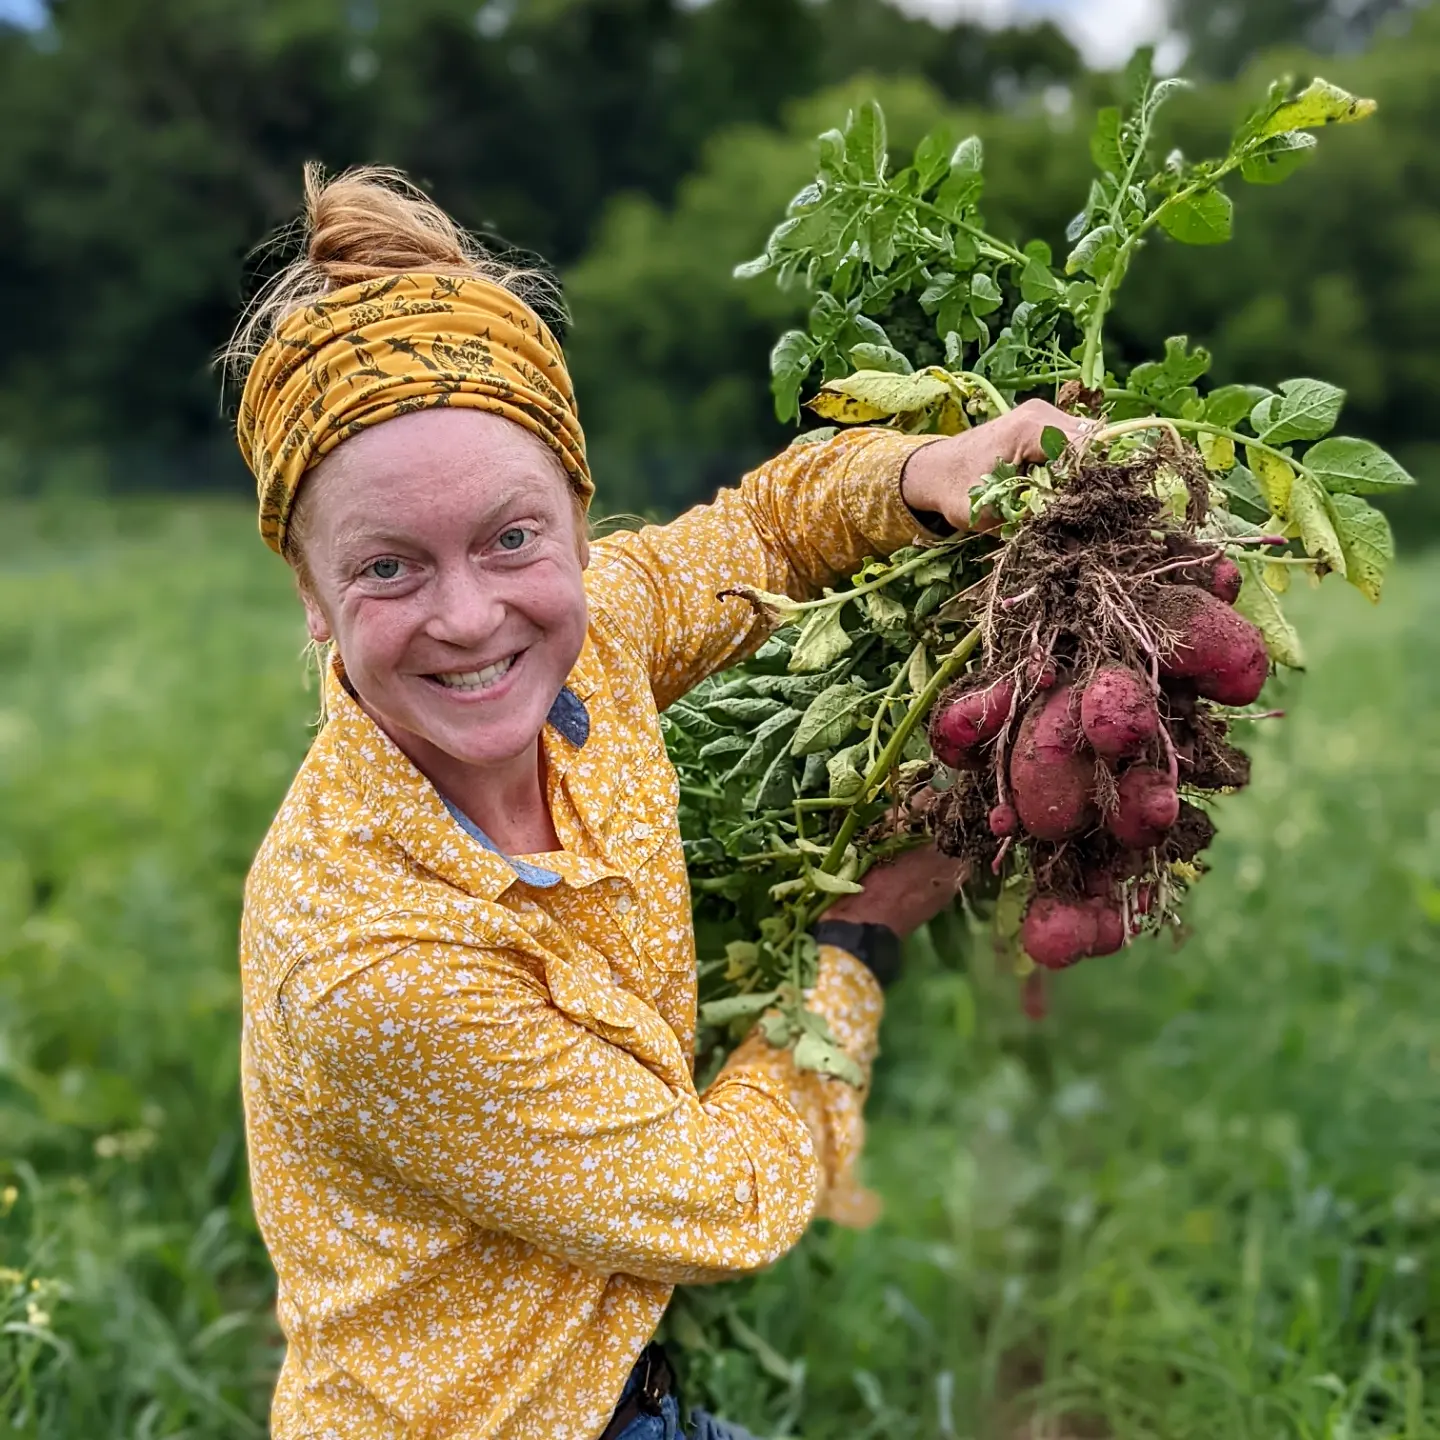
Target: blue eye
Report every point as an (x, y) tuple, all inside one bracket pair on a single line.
[(513, 538), (386, 568)]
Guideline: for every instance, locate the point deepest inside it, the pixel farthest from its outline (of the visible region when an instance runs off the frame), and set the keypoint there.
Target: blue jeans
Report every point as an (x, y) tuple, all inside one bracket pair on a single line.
[(666, 1425)]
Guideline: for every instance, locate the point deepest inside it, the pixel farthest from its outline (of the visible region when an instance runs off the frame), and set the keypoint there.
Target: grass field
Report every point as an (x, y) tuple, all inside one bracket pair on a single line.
[(1200, 1200)]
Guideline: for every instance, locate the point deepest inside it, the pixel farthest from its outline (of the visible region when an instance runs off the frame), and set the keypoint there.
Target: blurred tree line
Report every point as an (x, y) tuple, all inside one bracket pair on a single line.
[(643, 147)]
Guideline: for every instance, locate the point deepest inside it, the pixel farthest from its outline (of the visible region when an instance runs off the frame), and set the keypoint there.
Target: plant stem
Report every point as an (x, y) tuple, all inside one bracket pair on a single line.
[(1001, 249), (883, 709), (997, 401), (880, 581), (1093, 363), (1199, 427), (949, 667)]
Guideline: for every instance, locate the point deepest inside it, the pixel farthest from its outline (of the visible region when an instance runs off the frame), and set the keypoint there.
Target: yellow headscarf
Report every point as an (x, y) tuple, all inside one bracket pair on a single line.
[(389, 347)]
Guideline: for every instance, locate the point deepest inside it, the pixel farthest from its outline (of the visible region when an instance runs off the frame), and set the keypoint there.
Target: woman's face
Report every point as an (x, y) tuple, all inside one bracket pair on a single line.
[(444, 556)]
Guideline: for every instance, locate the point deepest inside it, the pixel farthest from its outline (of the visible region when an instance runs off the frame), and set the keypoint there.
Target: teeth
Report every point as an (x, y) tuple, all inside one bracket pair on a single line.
[(475, 679)]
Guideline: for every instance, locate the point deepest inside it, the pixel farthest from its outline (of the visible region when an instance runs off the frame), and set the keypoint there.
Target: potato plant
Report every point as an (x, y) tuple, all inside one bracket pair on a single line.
[(1055, 699)]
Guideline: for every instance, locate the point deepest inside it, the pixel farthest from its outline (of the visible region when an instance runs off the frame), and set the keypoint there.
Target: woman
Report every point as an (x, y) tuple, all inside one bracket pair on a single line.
[(478, 1156)]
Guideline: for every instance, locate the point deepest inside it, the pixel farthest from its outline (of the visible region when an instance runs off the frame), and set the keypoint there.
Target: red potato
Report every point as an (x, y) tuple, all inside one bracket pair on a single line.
[(1052, 770), (1222, 578), (1056, 933), (1003, 821), (1220, 650), (1109, 928), (969, 721), (1149, 805), (1225, 580), (1117, 712)]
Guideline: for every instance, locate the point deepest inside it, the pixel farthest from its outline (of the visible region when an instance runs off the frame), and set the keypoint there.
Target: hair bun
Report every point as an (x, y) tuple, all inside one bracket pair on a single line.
[(372, 221)]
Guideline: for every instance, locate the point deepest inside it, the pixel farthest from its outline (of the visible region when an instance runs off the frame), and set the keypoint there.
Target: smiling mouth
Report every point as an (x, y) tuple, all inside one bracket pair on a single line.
[(470, 681)]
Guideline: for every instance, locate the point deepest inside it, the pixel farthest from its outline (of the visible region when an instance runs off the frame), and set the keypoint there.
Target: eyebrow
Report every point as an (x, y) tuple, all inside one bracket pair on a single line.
[(362, 534)]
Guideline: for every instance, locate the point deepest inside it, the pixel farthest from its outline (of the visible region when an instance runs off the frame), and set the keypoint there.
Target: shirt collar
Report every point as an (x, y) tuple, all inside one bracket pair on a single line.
[(422, 824)]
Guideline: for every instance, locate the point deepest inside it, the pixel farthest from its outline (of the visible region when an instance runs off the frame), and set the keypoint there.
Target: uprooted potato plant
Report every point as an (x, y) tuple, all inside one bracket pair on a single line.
[(1056, 700)]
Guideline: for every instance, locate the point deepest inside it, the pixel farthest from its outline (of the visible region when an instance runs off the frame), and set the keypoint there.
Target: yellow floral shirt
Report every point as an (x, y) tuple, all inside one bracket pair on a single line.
[(477, 1152)]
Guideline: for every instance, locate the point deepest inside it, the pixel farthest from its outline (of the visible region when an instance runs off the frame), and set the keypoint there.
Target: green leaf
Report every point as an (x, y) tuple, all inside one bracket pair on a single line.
[(1355, 467), (1276, 478), (1317, 529), (1304, 410), (884, 611), (1366, 539), (1241, 484), (1053, 441), (871, 395), (932, 157), (1138, 75), (822, 641), (1231, 404), (828, 719), (826, 1058), (745, 709), (1260, 606), (736, 1007), (790, 363), (960, 192), (843, 768), (985, 295), (776, 790), (1039, 286), (880, 357), (919, 668), (1320, 103), (832, 154), (761, 750), (1204, 218), (1168, 379), (969, 154), (1095, 253), (1105, 147), (1165, 91), (1038, 251), (1278, 158), (726, 748), (865, 141)]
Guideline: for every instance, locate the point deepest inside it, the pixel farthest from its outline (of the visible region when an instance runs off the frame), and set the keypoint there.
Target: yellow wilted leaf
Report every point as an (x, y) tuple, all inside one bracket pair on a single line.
[(1257, 603), (1320, 103), (1317, 527), (1277, 577), (1276, 479), (870, 395), (1219, 452)]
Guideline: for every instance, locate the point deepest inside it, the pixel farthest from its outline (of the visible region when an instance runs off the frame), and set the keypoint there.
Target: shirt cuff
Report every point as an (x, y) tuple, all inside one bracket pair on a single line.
[(872, 495)]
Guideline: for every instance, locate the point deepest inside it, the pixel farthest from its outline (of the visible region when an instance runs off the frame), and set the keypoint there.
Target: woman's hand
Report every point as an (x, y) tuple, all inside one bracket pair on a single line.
[(905, 892), (940, 477)]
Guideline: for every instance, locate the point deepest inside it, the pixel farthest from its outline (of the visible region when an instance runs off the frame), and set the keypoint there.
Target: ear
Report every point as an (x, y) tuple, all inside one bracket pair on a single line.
[(315, 621), (583, 548)]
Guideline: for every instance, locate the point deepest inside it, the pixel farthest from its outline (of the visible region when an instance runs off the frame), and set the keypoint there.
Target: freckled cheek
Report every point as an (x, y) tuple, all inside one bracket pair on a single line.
[(378, 633), (550, 596)]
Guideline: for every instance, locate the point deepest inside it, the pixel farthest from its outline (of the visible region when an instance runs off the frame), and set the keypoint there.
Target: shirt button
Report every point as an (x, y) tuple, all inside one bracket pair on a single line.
[(742, 1193), (640, 830), (623, 905)]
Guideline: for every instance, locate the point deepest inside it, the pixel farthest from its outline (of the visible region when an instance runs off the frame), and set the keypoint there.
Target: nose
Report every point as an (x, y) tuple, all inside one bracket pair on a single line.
[(467, 610)]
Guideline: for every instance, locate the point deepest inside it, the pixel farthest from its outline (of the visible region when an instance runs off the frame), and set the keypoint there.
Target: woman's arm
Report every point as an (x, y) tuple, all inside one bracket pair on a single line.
[(454, 1069), (794, 525)]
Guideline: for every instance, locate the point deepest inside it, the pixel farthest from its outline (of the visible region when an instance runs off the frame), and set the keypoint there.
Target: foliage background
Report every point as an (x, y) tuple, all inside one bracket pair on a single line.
[(1201, 1198)]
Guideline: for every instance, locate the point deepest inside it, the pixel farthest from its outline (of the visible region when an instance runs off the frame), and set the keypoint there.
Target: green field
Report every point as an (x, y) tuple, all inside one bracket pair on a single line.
[(1200, 1200)]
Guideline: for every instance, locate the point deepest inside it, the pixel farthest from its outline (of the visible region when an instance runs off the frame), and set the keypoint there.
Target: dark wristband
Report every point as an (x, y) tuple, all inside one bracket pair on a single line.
[(877, 947)]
